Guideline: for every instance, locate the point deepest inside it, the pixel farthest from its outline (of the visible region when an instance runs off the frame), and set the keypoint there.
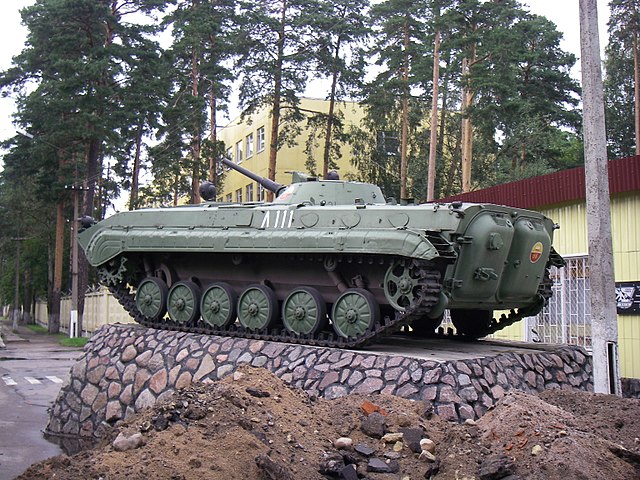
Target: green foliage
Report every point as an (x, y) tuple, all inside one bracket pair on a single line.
[(619, 83), (524, 109), (38, 329), (197, 76), (69, 82), (340, 29)]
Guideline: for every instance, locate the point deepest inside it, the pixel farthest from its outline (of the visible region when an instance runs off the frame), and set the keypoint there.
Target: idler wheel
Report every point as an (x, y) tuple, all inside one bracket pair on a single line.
[(402, 284), (218, 305), (257, 308), (151, 298), (183, 302), (354, 313), (471, 323), (304, 312)]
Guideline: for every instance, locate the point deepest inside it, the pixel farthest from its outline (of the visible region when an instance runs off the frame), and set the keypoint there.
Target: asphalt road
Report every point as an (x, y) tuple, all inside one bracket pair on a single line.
[(33, 368)]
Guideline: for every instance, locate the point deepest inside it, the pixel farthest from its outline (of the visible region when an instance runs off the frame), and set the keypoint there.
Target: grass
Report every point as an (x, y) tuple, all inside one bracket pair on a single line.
[(37, 328), (72, 342), (63, 339)]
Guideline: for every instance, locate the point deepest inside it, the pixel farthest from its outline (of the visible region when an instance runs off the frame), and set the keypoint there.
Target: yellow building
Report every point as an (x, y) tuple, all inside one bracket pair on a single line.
[(561, 196), (247, 141)]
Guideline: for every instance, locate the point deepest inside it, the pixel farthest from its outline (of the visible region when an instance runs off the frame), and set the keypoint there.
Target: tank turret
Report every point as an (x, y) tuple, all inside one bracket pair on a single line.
[(311, 191)]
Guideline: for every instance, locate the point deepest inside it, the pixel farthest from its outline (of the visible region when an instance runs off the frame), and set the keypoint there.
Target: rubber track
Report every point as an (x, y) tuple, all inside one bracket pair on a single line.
[(428, 296)]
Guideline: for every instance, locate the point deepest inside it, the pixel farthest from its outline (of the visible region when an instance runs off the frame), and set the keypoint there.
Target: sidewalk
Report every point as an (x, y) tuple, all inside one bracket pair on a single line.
[(8, 335)]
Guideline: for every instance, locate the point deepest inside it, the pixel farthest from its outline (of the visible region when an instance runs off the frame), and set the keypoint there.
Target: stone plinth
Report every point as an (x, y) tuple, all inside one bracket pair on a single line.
[(126, 369)]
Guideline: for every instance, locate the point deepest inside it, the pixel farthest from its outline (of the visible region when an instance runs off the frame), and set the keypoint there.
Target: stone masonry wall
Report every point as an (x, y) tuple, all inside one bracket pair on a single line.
[(125, 369)]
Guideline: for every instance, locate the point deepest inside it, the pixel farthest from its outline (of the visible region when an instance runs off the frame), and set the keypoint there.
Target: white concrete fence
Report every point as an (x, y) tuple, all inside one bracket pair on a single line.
[(100, 308)]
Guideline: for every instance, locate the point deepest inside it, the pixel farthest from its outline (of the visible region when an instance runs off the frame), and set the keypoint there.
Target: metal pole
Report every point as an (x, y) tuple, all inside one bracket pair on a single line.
[(604, 326)]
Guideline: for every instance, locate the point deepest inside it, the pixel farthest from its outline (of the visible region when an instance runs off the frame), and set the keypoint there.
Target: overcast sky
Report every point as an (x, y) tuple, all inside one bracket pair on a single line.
[(564, 13)]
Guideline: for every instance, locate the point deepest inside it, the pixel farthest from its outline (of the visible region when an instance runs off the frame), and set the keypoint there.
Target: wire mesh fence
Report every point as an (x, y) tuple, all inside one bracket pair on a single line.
[(567, 317)]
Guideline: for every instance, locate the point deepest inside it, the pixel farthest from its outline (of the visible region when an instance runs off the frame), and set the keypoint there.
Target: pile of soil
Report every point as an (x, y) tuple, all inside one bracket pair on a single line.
[(251, 425)]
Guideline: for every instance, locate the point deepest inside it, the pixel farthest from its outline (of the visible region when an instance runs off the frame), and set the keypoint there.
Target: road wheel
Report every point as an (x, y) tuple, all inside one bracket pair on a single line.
[(258, 308), (151, 298), (183, 302), (218, 305), (304, 311), (354, 313)]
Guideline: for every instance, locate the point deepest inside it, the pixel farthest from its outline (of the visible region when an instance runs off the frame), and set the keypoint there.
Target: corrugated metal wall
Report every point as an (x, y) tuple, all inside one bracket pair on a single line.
[(571, 239)]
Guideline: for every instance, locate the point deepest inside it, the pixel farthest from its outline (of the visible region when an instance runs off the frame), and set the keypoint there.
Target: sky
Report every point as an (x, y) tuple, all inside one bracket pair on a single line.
[(564, 13)]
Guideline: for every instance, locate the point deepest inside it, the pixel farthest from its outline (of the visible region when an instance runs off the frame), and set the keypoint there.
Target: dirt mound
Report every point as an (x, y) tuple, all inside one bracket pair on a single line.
[(251, 425)]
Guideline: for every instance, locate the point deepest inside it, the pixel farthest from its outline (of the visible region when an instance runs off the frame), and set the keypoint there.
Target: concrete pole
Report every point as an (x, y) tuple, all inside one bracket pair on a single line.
[(73, 320), (604, 326)]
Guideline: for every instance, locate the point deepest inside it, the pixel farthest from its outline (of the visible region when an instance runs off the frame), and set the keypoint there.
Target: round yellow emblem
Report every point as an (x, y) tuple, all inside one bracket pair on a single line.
[(536, 252)]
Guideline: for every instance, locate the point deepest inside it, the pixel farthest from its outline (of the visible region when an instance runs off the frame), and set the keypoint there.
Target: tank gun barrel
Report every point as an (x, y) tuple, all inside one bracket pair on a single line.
[(267, 183)]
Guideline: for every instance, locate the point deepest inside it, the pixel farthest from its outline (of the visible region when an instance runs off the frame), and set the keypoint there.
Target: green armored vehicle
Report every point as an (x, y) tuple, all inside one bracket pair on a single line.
[(328, 262)]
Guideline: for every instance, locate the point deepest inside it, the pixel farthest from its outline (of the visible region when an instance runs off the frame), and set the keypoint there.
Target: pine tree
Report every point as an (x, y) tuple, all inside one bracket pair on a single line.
[(203, 44), (401, 32), (274, 63), (622, 81), (340, 30)]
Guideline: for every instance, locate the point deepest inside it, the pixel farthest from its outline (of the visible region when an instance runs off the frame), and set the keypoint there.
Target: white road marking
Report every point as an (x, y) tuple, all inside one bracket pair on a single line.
[(32, 380)]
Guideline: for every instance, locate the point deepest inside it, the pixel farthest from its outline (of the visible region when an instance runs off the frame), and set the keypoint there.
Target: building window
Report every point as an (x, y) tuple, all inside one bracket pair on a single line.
[(249, 192), (388, 143), (261, 139), (249, 146), (229, 198), (239, 152), (239, 195), (230, 157), (260, 193)]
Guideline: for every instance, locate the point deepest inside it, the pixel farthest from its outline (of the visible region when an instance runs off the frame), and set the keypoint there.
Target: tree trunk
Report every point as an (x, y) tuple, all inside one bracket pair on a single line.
[(467, 126), (431, 178), (176, 189), (213, 168), (277, 91), (404, 133), (135, 173), (56, 291), (16, 297), (89, 186), (195, 138), (444, 115), (27, 296), (331, 114)]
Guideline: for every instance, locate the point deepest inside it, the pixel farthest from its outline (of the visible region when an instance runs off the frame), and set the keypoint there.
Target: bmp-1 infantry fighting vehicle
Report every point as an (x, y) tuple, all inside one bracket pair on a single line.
[(328, 262)]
